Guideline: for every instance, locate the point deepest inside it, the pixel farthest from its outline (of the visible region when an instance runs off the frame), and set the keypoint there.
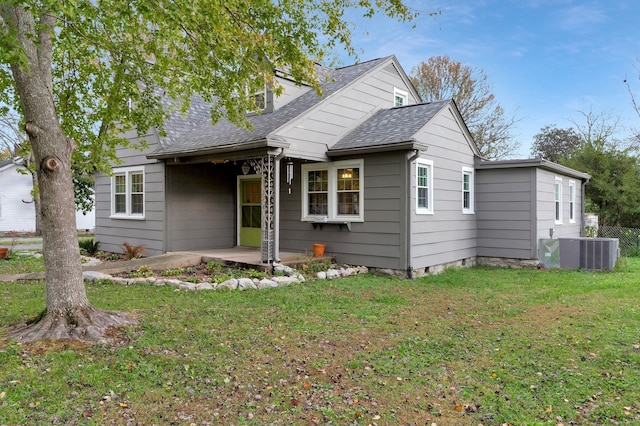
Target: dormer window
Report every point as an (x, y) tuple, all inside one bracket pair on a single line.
[(400, 97), (263, 100), (260, 98)]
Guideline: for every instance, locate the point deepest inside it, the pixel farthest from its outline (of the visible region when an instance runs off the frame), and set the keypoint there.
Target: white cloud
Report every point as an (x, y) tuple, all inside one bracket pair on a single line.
[(581, 18)]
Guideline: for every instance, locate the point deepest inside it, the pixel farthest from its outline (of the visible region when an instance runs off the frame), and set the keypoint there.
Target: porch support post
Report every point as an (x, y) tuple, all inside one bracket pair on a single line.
[(268, 208), (276, 217)]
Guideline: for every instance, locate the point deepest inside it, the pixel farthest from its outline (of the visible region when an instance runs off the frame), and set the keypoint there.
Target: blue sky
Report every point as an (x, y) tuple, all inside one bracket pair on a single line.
[(546, 60)]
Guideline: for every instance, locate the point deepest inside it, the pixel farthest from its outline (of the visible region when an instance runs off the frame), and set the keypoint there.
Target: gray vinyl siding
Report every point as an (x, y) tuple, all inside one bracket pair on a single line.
[(447, 235), (149, 233), (201, 200), (321, 127), (290, 92), (516, 208), (505, 208), (134, 156), (546, 206), (378, 241)]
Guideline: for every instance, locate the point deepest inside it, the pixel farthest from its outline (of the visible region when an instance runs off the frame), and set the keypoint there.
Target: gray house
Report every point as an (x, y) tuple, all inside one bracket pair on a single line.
[(381, 178)]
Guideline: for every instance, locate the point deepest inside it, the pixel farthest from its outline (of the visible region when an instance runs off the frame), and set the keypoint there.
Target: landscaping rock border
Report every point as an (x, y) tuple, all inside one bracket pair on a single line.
[(283, 276)]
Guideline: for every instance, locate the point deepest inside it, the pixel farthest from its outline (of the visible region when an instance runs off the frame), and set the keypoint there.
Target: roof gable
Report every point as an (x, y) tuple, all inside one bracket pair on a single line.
[(396, 128), (391, 126), (195, 133)]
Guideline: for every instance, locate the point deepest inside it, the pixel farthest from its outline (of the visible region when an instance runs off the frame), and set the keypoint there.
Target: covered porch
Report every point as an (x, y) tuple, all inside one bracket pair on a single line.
[(229, 201)]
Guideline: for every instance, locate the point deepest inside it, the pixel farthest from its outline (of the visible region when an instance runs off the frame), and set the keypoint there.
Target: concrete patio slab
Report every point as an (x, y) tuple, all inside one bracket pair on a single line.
[(242, 257)]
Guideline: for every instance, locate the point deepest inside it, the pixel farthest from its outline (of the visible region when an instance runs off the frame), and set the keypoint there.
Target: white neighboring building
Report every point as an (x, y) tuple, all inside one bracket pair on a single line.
[(17, 212)]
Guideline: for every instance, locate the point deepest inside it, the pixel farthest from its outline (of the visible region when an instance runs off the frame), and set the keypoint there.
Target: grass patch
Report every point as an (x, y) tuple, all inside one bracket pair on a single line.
[(469, 346), (8, 242), (21, 265)]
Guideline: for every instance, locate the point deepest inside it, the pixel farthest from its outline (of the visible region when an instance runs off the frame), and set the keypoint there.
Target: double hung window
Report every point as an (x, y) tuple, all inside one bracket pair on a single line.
[(424, 186), (572, 201), (467, 190), (333, 191), (557, 197), (127, 193)]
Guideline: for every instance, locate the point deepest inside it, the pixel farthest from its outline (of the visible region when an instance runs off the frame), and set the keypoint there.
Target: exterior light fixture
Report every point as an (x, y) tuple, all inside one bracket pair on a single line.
[(347, 174), (245, 168), (289, 172)]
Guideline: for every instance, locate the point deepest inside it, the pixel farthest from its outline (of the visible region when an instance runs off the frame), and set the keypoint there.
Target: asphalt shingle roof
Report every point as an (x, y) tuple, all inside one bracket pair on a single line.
[(390, 126), (195, 132)]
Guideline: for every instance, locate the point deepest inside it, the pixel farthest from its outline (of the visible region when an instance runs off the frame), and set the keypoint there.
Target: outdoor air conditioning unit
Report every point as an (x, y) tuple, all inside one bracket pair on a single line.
[(594, 254), (598, 253), (550, 253), (570, 253)]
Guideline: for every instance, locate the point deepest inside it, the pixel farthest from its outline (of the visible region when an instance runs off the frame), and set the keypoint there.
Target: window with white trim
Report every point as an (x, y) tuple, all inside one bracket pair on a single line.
[(467, 190), (333, 191), (572, 201), (424, 186), (557, 198), (400, 97), (127, 193), (260, 98)]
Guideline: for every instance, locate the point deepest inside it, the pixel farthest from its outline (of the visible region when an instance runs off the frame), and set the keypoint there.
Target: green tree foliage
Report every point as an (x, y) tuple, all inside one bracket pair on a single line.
[(111, 57), (442, 78), (82, 73), (555, 144)]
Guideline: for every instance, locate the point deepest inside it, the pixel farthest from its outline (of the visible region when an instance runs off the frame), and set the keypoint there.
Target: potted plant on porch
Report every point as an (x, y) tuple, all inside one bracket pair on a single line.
[(318, 250)]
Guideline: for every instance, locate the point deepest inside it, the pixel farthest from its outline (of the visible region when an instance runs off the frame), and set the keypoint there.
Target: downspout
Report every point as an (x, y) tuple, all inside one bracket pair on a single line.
[(276, 225), (584, 194), (416, 154)]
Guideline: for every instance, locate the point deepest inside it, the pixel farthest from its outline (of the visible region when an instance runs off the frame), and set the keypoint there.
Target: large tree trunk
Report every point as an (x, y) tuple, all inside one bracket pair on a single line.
[(69, 313), (36, 204)]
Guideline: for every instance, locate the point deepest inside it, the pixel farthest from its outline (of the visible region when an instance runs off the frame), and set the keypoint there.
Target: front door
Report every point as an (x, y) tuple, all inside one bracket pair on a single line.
[(250, 197)]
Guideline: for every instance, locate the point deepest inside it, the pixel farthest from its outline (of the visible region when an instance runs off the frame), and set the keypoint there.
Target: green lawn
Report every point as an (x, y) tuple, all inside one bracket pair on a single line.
[(467, 347)]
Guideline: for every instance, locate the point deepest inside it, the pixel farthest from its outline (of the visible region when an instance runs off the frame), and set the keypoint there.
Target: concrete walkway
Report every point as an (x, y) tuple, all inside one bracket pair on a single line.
[(242, 257)]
